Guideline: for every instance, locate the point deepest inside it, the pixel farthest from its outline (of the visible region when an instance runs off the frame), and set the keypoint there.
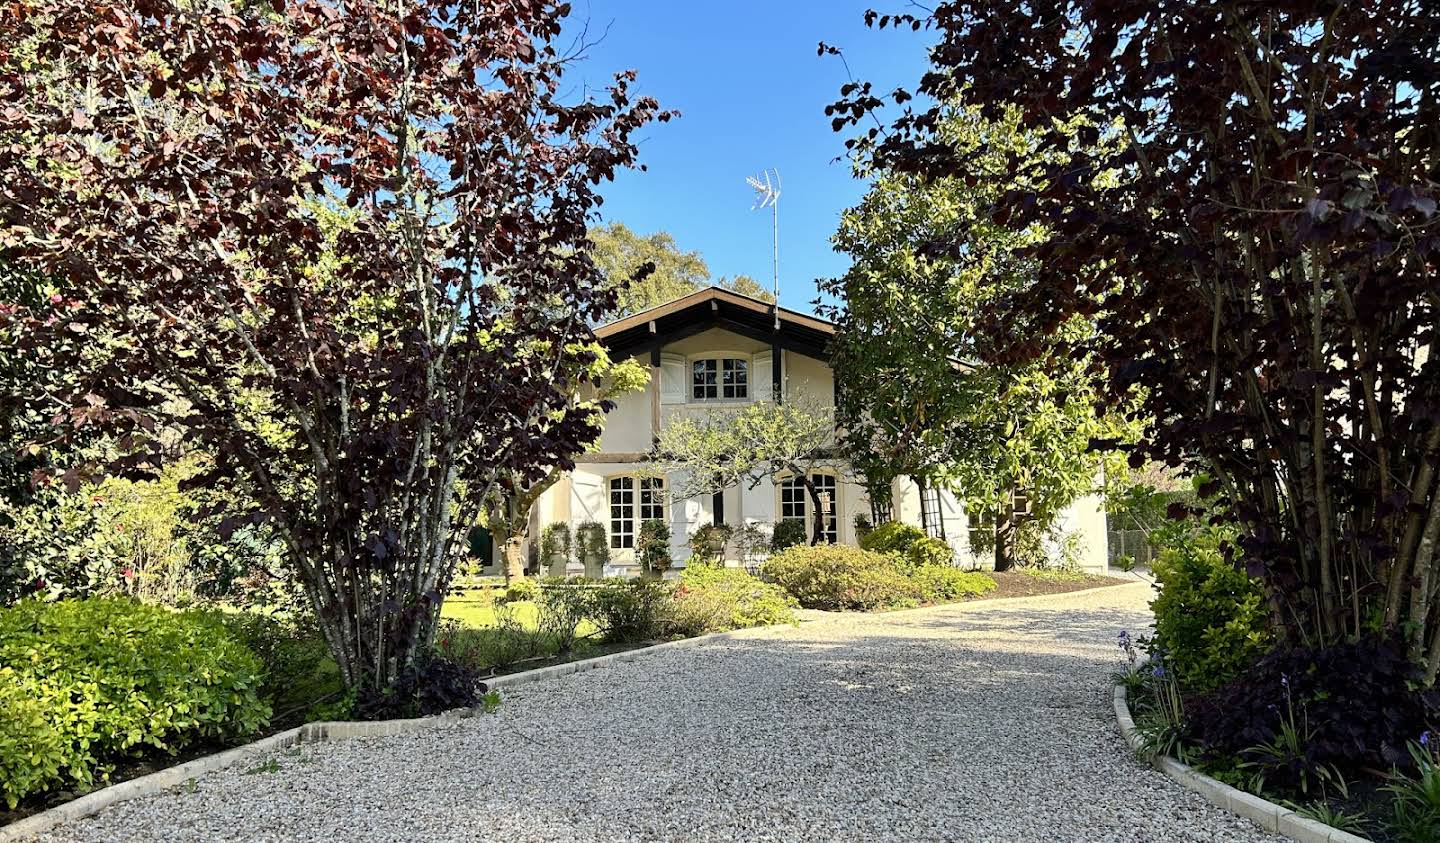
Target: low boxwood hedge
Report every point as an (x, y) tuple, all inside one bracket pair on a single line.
[(85, 683)]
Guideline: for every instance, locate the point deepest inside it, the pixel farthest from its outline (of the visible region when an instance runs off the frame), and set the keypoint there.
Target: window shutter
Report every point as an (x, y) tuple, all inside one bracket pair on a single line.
[(673, 382), (761, 382)]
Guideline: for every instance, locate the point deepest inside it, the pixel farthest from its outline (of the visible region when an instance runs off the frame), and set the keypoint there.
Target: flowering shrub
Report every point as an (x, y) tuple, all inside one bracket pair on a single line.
[(837, 577), (1415, 807), (86, 682)]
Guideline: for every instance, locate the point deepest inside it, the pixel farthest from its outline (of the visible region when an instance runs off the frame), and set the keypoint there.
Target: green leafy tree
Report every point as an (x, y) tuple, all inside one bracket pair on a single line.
[(746, 286), (650, 270), (912, 405), (760, 441)]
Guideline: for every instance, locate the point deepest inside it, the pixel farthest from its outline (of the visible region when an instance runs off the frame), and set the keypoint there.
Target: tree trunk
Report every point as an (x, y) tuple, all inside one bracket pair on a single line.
[(512, 555), (815, 505), (1005, 539)]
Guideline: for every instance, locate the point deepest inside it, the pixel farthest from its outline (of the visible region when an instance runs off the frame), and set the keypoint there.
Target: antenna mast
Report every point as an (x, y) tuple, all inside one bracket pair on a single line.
[(767, 193)]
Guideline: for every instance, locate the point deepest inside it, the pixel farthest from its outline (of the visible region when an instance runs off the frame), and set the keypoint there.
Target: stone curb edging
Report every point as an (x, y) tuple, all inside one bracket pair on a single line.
[(318, 732), (997, 602), (321, 732), (1266, 814), (566, 668)]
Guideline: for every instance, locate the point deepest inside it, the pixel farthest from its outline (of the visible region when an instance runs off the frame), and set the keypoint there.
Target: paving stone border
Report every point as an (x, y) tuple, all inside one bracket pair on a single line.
[(321, 732), (1267, 814)]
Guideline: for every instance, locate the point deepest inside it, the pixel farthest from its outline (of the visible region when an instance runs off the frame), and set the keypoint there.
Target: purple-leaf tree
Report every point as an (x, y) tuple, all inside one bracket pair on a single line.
[(339, 247), (1248, 211)]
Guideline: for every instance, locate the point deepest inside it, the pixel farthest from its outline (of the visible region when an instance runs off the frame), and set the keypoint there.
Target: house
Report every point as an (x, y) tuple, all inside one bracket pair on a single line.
[(715, 348)]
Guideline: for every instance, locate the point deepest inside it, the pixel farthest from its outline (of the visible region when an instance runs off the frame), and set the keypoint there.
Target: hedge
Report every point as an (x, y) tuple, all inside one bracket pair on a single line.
[(85, 683)]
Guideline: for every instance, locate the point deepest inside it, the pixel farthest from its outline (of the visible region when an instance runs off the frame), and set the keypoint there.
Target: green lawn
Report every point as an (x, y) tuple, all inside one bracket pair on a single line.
[(478, 609)]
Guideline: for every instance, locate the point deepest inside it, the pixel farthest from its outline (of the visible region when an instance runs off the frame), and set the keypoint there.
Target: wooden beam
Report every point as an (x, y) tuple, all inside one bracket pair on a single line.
[(655, 387), (617, 456)]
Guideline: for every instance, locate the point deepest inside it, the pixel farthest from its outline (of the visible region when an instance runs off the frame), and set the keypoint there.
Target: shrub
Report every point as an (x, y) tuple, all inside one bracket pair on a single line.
[(926, 552), (562, 607), (837, 577), (505, 642), (696, 613), (1210, 617), (788, 534), (433, 686), (630, 610), (1351, 703), (300, 675), (942, 584), (892, 537), (520, 591), (732, 599), (86, 682), (652, 547)]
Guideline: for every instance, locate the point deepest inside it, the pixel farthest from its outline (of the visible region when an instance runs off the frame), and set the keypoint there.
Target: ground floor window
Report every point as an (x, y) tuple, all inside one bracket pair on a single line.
[(980, 530), (931, 517), (625, 494), (795, 504)]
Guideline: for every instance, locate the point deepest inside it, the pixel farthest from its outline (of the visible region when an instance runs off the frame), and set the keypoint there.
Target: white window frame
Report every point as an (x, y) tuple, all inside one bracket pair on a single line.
[(740, 367), (626, 516), (797, 508), (979, 521), (1020, 502)]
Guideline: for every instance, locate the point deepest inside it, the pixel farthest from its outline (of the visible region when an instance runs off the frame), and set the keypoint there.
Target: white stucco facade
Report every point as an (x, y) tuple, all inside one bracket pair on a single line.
[(615, 485)]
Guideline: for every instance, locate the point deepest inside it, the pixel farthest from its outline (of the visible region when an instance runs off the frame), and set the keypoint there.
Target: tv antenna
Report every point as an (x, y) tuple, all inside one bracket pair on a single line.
[(767, 194)]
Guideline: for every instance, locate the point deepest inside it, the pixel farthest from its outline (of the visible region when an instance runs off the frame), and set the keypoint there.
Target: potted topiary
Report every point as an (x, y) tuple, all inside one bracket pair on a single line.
[(787, 534), (652, 548), (555, 547), (708, 543), (593, 548)]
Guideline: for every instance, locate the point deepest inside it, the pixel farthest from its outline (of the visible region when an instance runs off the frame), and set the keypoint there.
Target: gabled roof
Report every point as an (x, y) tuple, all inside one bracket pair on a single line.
[(714, 307)]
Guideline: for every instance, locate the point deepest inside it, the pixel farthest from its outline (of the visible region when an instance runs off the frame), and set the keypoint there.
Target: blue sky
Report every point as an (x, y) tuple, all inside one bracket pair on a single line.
[(752, 94)]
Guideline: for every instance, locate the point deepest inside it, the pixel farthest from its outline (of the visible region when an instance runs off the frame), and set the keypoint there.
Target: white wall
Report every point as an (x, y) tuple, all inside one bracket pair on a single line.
[(628, 431)]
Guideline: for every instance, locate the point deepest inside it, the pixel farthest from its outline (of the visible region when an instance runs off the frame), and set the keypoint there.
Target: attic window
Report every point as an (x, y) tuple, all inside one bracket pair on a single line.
[(719, 377)]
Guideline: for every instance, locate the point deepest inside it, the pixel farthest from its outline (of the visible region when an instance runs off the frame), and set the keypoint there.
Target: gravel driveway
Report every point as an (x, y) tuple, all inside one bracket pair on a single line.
[(973, 723)]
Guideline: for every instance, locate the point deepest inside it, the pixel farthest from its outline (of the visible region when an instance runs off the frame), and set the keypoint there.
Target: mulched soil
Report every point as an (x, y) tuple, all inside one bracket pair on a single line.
[(1018, 584)]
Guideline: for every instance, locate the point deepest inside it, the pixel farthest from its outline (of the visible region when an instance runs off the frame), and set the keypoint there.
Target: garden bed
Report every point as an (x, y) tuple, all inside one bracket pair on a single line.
[(1028, 584)]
